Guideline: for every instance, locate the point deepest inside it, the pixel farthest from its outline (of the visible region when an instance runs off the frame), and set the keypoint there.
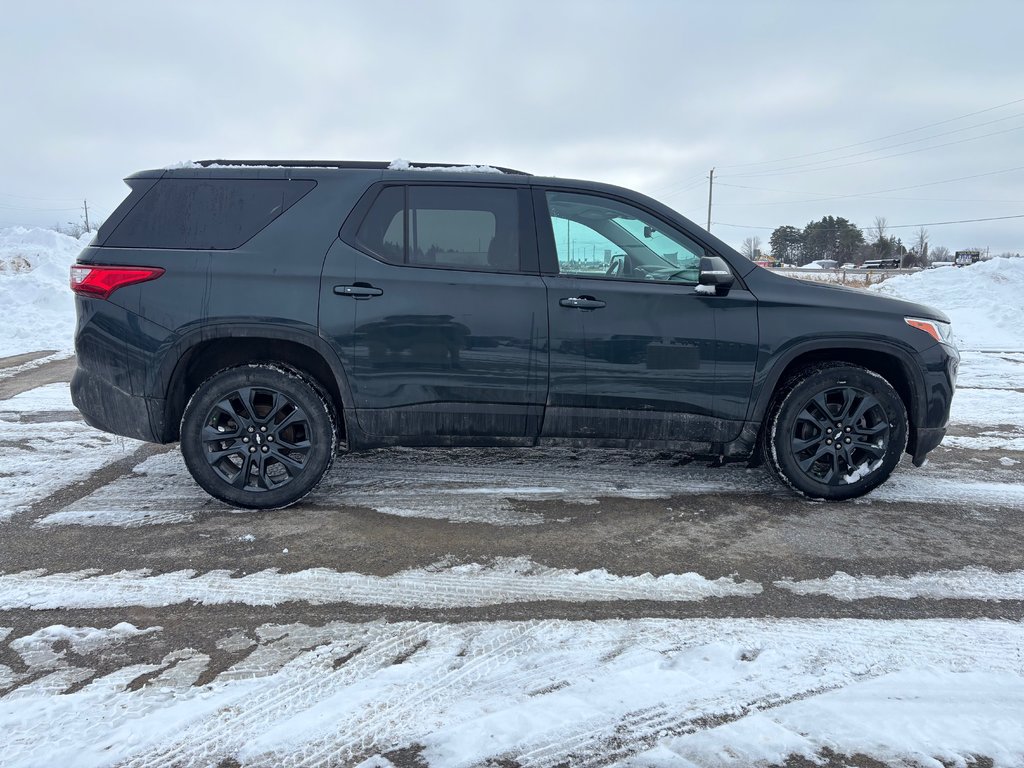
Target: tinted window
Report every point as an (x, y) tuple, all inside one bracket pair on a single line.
[(383, 229), (464, 227), (597, 236), (206, 214), (453, 227)]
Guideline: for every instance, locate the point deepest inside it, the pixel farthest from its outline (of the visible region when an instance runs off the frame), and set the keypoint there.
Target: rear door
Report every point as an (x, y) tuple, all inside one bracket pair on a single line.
[(435, 297)]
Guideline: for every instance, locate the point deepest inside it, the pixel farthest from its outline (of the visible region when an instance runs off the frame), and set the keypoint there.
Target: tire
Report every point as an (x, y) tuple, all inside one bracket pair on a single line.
[(822, 403), (258, 436)]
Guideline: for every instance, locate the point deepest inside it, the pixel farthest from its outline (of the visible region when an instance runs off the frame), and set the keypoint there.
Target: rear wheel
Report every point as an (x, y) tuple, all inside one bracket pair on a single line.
[(836, 432), (258, 436)]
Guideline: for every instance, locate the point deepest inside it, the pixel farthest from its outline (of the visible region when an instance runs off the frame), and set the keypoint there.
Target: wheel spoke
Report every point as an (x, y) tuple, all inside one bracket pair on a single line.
[(215, 434), (876, 451), (873, 431), (287, 462), (299, 445), (276, 404), (826, 413), (242, 478), (215, 456), (849, 398), (866, 404), (295, 417), (800, 445), (823, 450)]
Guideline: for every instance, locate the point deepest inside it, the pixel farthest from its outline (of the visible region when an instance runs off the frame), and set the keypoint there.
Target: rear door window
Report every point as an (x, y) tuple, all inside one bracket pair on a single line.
[(452, 227), (206, 214)]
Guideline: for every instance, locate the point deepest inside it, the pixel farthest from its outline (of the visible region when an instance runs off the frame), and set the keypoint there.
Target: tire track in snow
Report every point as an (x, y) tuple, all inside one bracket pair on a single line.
[(507, 580), (310, 678)]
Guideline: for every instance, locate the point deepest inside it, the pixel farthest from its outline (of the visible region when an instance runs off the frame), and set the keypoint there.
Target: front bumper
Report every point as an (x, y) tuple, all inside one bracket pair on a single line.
[(940, 363)]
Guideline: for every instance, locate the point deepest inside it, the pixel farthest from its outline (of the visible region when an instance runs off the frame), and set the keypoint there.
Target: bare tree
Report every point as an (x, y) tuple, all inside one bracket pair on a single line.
[(879, 229), (921, 244), (939, 253), (752, 247)]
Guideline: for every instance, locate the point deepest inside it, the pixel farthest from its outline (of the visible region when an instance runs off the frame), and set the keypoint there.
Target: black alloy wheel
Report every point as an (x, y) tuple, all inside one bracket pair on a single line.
[(837, 432), (258, 436)]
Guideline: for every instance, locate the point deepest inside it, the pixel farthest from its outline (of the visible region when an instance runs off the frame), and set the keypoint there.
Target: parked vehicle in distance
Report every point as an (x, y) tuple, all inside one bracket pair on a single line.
[(893, 263), (265, 314), (967, 257), (848, 265), (821, 264)]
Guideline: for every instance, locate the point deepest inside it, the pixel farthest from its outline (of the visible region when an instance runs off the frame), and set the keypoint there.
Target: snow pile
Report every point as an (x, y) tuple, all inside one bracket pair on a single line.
[(983, 301), (34, 274)]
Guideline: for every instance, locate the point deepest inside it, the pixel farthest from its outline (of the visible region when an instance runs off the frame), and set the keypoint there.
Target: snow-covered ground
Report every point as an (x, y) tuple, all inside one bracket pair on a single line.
[(652, 692)]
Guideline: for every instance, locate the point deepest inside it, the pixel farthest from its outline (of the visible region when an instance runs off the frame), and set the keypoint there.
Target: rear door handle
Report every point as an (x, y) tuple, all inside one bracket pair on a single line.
[(581, 302), (358, 291)]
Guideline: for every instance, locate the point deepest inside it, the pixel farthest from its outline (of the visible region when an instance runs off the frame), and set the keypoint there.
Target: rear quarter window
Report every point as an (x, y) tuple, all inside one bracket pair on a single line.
[(206, 214)]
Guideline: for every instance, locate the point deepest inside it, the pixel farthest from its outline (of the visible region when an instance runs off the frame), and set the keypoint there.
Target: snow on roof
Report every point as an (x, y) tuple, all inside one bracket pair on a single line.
[(399, 164)]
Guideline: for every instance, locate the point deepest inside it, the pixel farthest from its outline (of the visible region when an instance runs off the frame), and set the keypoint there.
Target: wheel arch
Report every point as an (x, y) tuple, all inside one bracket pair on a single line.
[(892, 363), (213, 349)]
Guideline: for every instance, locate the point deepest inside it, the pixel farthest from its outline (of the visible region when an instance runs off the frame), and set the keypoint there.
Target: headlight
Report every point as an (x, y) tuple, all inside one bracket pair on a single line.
[(937, 330)]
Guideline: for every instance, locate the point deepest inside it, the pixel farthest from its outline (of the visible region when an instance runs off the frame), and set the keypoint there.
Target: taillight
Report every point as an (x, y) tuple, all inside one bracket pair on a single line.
[(101, 281)]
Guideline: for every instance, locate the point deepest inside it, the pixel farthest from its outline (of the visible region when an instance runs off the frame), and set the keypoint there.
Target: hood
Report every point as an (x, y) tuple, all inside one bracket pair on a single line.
[(766, 285)]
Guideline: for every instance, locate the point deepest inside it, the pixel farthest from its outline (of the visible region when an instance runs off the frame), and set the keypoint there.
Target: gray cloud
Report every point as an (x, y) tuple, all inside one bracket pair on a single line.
[(649, 95)]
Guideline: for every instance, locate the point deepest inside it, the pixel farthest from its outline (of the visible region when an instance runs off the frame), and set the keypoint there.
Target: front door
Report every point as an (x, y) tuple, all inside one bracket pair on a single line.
[(634, 350)]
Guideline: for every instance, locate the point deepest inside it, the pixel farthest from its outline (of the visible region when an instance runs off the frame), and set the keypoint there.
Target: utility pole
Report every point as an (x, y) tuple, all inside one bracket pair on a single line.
[(711, 184), (85, 204)]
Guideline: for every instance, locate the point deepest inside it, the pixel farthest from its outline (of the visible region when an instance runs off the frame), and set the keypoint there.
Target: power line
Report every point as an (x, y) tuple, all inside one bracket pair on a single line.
[(880, 138), (892, 146), (785, 172), (867, 196), (41, 199), (892, 226), (23, 208), (689, 183), (826, 196)]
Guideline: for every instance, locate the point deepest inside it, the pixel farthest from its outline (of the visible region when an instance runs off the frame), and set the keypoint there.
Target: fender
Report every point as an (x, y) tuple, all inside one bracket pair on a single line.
[(174, 354), (766, 380)]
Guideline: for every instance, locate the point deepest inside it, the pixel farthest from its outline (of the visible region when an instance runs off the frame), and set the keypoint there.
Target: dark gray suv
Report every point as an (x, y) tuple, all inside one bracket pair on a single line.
[(265, 313)]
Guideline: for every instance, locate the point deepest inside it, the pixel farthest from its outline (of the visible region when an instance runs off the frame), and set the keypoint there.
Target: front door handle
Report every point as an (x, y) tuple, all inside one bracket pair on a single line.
[(358, 291), (581, 302)]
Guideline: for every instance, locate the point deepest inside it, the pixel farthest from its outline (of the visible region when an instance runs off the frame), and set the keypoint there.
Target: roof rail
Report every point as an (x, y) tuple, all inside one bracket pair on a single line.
[(341, 164)]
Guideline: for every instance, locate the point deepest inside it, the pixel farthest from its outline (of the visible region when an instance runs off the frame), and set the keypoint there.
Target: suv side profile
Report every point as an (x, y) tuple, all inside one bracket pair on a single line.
[(266, 313)]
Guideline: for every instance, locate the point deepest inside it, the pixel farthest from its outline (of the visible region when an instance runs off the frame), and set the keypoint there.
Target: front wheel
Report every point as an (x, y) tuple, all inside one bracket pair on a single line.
[(258, 436), (836, 432)]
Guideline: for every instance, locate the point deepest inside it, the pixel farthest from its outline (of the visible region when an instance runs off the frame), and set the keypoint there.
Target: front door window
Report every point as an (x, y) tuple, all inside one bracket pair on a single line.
[(601, 237)]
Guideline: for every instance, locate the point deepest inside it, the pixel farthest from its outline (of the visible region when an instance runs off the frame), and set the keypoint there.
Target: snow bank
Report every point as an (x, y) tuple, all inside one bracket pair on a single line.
[(34, 269), (983, 300)]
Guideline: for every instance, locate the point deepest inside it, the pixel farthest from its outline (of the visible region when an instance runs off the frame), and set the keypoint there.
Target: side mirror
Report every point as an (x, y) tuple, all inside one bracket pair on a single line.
[(715, 273)]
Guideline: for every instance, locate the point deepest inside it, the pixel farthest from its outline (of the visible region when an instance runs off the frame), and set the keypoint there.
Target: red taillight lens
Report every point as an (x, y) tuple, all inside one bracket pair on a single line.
[(101, 281)]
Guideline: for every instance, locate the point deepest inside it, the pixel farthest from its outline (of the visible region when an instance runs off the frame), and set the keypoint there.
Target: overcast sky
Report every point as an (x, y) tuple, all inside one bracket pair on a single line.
[(649, 95)]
